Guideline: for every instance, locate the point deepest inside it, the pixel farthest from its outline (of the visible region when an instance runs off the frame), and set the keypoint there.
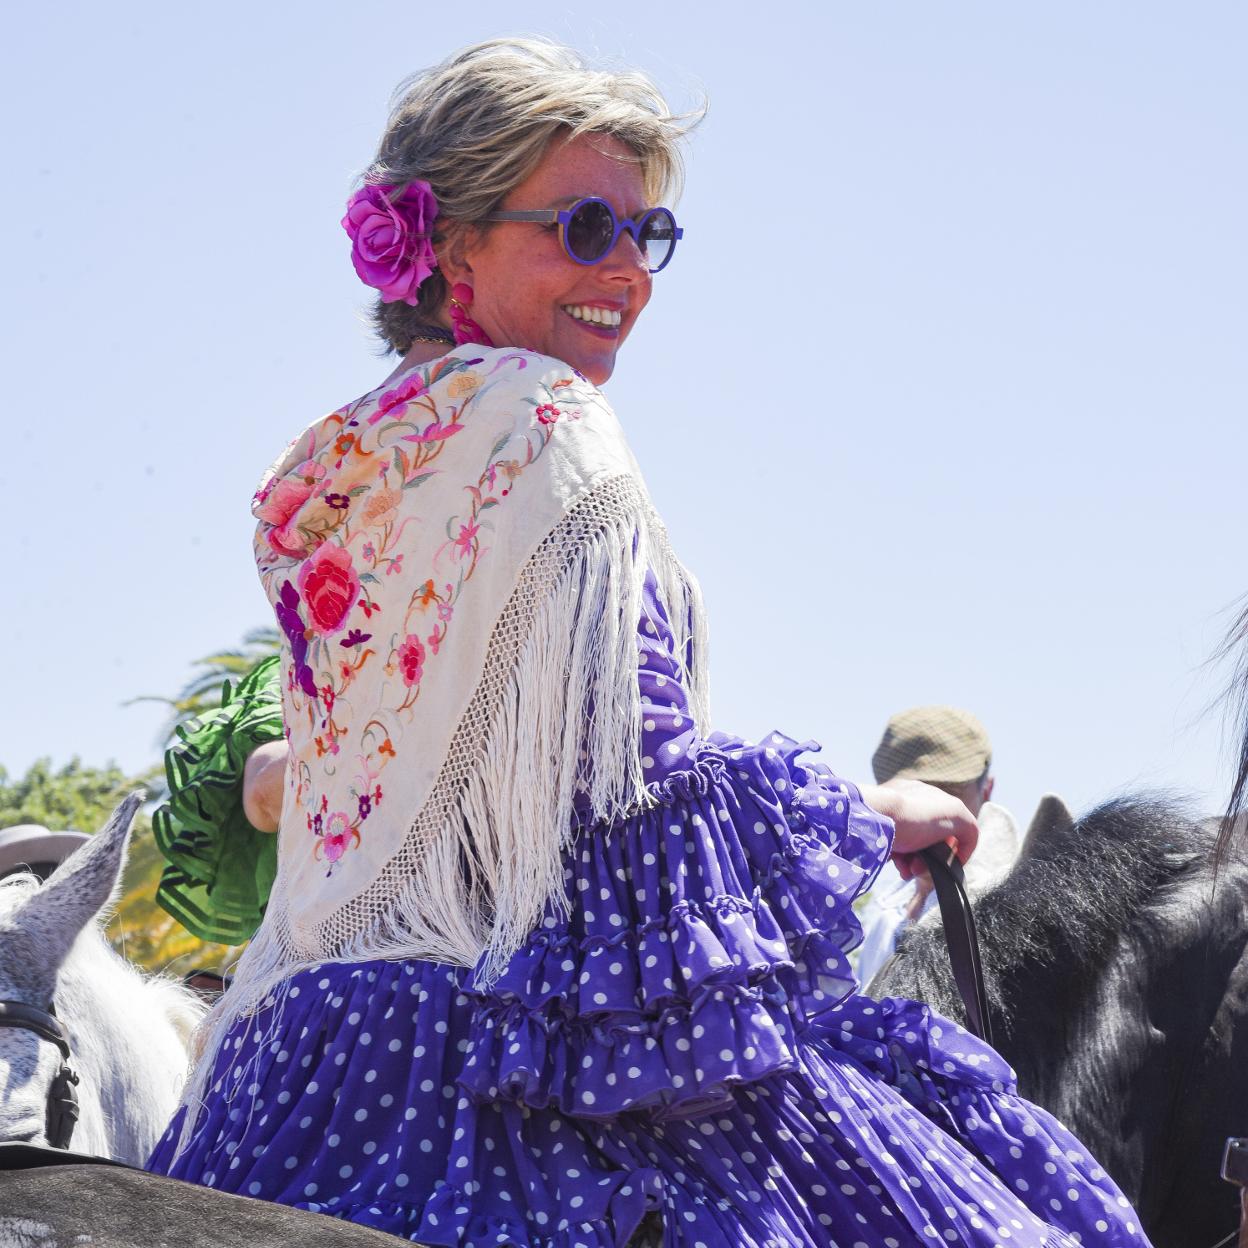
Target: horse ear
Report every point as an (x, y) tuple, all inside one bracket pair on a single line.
[(1052, 819), (79, 888)]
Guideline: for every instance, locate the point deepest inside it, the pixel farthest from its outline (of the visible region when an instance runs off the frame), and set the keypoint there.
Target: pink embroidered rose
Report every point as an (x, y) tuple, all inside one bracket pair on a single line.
[(411, 656), (287, 540), (329, 585), (280, 508), (283, 500), (337, 838), (390, 238)]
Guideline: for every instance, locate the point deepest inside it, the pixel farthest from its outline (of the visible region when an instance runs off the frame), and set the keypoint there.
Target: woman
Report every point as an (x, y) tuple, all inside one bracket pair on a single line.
[(547, 963)]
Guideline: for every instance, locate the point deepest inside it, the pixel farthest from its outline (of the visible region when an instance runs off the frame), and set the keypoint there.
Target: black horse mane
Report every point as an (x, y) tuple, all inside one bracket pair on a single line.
[(1060, 913), (1077, 888)]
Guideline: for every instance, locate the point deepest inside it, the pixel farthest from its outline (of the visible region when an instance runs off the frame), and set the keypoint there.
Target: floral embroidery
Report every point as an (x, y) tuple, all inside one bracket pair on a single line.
[(411, 655), (342, 514), (380, 506), (329, 584), (338, 836), (287, 611)]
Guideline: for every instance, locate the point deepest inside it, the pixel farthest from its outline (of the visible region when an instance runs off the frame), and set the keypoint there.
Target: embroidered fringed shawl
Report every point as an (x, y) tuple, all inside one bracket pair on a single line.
[(456, 563)]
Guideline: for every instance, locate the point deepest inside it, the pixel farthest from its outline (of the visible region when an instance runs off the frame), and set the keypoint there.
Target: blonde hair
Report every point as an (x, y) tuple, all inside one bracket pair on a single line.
[(477, 126)]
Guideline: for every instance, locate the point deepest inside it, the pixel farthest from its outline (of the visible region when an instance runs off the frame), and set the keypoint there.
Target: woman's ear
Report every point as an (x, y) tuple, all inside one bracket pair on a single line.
[(454, 253)]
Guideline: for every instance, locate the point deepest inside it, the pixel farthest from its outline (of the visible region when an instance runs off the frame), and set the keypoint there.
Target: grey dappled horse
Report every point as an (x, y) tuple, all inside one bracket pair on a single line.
[(128, 1031), (128, 1036)]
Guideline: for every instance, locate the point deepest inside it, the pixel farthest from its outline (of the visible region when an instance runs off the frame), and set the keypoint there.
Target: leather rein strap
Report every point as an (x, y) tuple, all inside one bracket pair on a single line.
[(959, 924), (62, 1095)]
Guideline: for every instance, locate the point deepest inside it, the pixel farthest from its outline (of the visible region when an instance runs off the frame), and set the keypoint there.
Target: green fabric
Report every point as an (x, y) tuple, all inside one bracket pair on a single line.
[(220, 868)]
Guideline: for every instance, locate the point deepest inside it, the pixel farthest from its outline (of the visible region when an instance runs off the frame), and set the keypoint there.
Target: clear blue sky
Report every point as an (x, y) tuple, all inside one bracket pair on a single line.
[(943, 398)]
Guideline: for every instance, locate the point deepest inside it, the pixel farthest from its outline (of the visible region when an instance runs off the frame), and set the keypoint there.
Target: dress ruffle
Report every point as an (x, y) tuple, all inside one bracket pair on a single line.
[(220, 868), (686, 1045), (339, 1097), (709, 932)]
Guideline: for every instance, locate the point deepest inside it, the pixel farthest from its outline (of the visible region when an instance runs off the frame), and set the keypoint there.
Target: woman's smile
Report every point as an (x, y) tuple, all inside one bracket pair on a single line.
[(597, 317)]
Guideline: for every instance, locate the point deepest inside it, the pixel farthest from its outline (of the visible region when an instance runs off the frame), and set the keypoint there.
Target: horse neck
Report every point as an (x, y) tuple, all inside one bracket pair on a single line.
[(128, 1042)]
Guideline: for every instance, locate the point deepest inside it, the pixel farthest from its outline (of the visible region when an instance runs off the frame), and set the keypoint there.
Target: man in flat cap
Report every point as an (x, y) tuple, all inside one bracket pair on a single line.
[(949, 748), (940, 745)]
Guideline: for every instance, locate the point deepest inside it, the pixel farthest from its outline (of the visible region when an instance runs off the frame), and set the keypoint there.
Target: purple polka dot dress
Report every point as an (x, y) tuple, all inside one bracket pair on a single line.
[(687, 1050)]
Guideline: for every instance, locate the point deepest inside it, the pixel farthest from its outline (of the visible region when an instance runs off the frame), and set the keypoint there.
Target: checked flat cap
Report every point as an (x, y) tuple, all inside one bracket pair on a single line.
[(939, 744)]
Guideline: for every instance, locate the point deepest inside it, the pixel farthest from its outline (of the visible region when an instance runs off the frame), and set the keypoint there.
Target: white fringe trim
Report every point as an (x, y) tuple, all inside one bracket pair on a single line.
[(556, 717)]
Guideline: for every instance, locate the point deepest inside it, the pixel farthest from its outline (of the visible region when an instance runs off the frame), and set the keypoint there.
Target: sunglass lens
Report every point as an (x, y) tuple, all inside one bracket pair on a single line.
[(589, 231), (658, 237)]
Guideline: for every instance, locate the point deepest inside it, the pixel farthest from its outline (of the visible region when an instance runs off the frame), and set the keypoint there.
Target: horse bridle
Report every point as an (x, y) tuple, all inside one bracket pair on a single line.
[(959, 924), (62, 1095)]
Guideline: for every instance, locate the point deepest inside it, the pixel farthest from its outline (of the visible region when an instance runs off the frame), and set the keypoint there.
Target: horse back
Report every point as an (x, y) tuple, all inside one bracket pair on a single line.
[(113, 1207)]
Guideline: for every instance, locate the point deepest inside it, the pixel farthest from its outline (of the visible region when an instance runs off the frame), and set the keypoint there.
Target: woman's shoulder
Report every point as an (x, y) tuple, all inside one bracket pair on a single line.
[(522, 377), (467, 376), (514, 360), (501, 406)]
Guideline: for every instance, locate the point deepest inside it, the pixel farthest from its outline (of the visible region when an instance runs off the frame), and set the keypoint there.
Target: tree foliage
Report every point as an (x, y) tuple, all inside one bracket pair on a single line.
[(75, 797)]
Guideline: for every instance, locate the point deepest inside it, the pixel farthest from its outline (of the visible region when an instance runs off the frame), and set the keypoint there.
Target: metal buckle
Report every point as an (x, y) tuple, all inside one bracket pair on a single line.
[(1235, 1161)]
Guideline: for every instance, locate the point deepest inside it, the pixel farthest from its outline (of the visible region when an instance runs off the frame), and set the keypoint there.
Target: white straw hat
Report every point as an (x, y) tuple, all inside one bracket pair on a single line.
[(31, 844)]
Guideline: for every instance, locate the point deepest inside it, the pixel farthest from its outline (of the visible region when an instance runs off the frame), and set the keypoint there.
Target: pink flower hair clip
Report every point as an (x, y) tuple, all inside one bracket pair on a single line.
[(391, 238)]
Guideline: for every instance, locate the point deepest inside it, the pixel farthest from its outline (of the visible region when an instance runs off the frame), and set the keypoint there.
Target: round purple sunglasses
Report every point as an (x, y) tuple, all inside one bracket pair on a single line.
[(590, 229)]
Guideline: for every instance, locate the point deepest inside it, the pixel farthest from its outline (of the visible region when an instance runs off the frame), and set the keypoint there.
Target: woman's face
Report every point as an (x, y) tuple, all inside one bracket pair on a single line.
[(527, 290)]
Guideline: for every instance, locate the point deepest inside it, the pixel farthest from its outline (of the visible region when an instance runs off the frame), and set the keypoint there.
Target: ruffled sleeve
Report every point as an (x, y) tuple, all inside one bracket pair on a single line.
[(220, 868), (712, 930)]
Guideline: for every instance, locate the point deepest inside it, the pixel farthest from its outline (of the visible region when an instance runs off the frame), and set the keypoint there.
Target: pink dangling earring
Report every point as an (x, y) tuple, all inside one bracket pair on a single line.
[(466, 329)]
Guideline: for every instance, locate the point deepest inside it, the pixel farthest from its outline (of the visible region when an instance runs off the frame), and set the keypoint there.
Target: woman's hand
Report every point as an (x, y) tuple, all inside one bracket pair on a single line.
[(264, 783), (923, 815)]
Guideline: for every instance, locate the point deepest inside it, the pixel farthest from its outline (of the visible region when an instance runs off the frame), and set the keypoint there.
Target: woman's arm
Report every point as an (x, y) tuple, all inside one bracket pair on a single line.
[(264, 783)]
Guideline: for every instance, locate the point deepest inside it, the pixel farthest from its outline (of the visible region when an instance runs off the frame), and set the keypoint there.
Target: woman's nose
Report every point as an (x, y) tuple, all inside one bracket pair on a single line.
[(627, 258)]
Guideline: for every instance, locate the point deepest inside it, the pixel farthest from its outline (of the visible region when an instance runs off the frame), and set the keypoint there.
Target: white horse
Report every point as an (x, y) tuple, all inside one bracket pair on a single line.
[(128, 1032)]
